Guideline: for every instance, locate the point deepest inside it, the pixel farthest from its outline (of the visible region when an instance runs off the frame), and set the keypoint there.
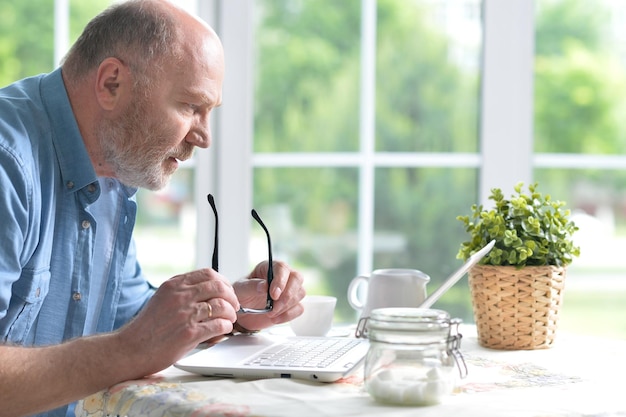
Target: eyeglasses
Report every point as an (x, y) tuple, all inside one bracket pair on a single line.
[(269, 304)]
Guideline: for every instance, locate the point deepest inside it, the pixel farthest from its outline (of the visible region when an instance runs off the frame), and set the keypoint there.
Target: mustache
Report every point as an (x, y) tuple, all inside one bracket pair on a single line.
[(183, 152)]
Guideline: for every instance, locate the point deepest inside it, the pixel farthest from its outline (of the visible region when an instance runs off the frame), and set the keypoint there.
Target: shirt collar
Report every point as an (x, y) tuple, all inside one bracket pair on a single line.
[(76, 168)]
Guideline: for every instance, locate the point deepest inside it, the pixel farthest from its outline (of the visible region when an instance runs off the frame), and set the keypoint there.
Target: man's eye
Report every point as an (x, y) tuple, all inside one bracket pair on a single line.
[(189, 107)]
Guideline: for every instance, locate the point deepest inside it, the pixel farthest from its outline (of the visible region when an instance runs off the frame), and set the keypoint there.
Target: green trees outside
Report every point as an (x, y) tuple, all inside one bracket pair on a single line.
[(579, 80), (580, 85), (26, 38), (27, 34), (307, 100)]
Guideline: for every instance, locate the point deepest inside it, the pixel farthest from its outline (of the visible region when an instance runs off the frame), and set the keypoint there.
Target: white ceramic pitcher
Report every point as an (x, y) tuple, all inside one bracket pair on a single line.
[(387, 288)]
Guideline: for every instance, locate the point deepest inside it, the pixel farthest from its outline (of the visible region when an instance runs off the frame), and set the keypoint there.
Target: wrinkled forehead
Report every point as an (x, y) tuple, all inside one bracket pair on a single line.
[(202, 51), (199, 74), (199, 62)]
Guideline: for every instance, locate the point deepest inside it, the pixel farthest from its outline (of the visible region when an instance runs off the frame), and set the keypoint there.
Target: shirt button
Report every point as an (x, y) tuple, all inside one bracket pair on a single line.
[(91, 188), (70, 185), (76, 296), (85, 224)]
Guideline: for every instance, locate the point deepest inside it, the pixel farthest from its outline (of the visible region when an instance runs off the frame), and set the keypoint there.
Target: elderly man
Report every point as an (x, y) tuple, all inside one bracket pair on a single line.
[(131, 100)]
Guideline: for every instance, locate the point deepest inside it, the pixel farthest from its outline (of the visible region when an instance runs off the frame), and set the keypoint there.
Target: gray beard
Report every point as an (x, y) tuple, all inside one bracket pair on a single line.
[(136, 164)]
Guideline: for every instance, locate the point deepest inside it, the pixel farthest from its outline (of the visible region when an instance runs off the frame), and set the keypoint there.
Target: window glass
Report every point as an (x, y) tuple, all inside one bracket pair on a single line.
[(427, 73), (416, 226), (27, 35), (307, 82), (580, 77), (165, 231), (308, 99), (580, 81), (595, 286), (311, 214)]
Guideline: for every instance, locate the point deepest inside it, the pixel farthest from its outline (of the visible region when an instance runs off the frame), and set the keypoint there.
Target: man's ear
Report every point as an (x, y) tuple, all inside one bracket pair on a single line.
[(113, 83)]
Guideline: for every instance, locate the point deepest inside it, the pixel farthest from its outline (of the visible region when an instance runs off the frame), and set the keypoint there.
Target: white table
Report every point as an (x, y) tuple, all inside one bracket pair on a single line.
[(579, 376)]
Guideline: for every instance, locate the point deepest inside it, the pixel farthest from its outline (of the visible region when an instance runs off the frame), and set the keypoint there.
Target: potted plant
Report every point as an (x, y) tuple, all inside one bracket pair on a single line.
[(517, 288)]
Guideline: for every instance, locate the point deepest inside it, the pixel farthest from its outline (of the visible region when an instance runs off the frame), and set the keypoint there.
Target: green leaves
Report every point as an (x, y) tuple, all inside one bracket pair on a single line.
[(529, 229)]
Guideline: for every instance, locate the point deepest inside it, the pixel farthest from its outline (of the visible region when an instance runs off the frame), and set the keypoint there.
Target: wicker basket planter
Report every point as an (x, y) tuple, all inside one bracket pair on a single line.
[(516, 308)]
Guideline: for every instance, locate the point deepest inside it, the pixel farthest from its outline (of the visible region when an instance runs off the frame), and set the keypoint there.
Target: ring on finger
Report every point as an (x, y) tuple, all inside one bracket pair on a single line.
[(209, 309)]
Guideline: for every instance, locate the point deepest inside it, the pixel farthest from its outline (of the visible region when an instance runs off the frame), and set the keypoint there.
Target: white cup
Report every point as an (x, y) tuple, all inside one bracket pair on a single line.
[(387, 288), (317, 318)]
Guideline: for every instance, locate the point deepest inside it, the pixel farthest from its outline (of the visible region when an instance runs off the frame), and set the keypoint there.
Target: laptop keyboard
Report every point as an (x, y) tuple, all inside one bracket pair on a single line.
[(306, 353)]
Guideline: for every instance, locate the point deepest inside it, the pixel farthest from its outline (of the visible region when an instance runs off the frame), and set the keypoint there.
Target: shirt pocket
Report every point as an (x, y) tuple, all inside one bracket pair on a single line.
[(28, 293)]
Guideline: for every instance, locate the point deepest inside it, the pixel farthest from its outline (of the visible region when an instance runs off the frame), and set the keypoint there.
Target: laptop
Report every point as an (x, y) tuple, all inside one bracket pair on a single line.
[(267, 355), (261, 355)]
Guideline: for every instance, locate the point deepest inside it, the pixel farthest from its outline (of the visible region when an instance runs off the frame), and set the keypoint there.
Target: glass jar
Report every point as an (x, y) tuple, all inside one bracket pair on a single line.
[(414, 356)]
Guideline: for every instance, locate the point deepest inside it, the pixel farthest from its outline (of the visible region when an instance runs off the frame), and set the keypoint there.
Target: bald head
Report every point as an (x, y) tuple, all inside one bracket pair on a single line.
[(148, 34)]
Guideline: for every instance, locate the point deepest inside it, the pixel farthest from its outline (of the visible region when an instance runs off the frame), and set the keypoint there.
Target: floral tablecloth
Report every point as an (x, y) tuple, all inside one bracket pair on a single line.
[(578, 377)]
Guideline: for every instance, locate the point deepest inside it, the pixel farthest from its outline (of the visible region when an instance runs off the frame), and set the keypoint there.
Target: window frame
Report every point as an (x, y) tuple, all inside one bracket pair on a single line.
[(506, 122)]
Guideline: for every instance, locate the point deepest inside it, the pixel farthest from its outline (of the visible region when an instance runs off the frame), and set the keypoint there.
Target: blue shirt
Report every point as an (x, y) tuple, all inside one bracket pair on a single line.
[(48, 232)]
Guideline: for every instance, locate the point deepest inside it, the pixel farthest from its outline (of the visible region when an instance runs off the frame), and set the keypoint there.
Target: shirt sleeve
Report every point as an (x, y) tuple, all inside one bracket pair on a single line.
[(24, 272), (14, 192)]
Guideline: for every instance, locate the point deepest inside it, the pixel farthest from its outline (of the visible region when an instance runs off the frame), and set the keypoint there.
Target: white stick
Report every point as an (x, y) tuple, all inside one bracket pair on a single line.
[(457, 275)]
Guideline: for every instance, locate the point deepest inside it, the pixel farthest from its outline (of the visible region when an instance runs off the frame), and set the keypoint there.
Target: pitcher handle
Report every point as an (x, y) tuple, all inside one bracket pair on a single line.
[(353, 298)]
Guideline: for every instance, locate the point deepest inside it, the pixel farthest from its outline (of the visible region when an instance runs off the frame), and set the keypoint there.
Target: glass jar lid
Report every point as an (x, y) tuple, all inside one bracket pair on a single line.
[(420, 324), (399, 314)]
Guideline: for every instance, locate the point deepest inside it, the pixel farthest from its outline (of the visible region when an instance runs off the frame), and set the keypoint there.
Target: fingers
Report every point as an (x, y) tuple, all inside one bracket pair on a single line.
[(287, 314), (202, 285), (204, 311), (285, 279), (214, 317), (287, 283), (202, 299), (214, 309), (286, 290)]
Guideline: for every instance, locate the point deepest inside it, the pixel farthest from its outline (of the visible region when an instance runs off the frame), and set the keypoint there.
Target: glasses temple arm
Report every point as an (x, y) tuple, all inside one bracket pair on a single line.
[(214, 259), (270, 267)]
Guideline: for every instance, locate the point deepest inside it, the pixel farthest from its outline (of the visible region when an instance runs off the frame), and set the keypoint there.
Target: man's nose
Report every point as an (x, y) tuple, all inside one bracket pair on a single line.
[(199, 139), (200, 135)]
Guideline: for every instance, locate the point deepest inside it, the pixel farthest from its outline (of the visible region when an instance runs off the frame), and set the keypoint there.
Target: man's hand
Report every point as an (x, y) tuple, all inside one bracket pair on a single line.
[(185, 311), (287, 291)]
